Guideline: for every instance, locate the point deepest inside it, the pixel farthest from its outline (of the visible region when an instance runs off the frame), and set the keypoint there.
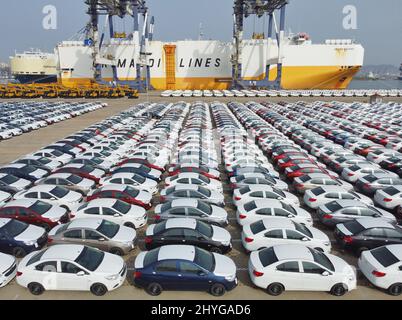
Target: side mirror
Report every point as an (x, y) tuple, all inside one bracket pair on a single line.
[(325, 274), (81, 273), (102, 239), (290, 216), (53, 198), (305, 239), (116, 215), (201, 239), (201, 273)]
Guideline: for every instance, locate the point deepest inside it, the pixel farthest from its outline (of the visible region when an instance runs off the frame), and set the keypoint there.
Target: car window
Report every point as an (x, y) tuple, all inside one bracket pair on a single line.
[(179, 211), (374, 233), (291, 266), (67, 267), (309, 267), (189, 267), (73, 234), (174, 233), (51, 181), (281, 212), (108, 211), (92, 235), (106, 194), (392, 233), (45, 195), (348, 196), (116, 181), (188, 233), (332, 195), (48, 266), (272, 195), (166, 266), (350, 212), (92, 211), (294, 235), (183, 180), (183, 194), (257, 194), (32, 195), (276, 234), (8, 211)]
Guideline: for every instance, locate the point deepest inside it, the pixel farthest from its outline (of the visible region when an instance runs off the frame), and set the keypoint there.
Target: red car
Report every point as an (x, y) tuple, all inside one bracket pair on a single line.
[(124, 193), (285, 163), (365, 150), (304, 171), (140, 161)]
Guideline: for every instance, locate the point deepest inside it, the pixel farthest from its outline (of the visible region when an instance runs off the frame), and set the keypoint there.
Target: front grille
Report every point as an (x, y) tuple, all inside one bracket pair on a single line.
[(10, 271)]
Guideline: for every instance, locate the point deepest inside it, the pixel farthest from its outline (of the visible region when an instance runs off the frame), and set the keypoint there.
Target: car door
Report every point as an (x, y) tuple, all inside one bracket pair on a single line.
[(94, 239), (193, 278), (288, 273), (347, 214), (46, 273), (72, 277), (73, 237), (392, 236), (315, 277), (172, 236), (371, 238), (166, 273), (28, 216), (274, 237)]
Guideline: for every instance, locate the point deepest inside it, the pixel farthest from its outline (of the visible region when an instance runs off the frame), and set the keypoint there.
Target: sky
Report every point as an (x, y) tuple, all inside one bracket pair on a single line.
[(379, 23)]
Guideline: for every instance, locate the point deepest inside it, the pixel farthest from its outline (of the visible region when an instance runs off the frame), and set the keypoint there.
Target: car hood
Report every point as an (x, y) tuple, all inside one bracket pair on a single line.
[(31, 233), (6, 261), (111, 264), (220, 235), (125, 234), (54, 213), (319, 235), (224, 266), (341, 265)]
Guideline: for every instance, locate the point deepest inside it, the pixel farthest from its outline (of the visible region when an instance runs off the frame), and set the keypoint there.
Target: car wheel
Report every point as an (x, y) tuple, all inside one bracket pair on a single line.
[(217, 290), (154, 289), (395, 289), (216, 250), (98, 289), (339, 290), (130, 225), (19, 252), (36, 288), (117, 251), (275, 289), (361, 250)]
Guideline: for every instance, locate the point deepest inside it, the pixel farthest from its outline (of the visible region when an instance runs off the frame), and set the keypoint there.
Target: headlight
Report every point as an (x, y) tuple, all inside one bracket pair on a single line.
[(230, 278), (114, 277), (30, 243), (129, 243), (327, 243)]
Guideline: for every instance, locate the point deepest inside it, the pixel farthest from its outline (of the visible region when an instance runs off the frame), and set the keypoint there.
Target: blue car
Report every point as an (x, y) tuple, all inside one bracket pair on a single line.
[(19, 238), (18, 173), (186, 268)]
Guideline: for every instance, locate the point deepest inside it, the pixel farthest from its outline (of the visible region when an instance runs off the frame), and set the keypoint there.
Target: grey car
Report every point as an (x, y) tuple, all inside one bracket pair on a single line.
[(340, 211), (98, 233)]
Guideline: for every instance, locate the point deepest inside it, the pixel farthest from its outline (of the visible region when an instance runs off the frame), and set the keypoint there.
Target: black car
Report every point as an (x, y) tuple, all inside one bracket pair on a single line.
[(189, 232), (366, 234), (18, 173)]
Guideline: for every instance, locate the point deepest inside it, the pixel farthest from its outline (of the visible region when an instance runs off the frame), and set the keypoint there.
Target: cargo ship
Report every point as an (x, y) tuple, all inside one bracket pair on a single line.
[(206, 64), (34, 66)]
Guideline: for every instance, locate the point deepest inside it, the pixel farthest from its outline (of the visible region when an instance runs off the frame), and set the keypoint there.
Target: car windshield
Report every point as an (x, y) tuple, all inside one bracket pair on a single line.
[(318, 191), (108, 228), (354, 227), (59, 192), (249, 206), (303, 229), (206, 208), (151, 257), (159, 227), (138, 178), (75, 179), (370, 178), (14, 228), (44, 160), (9, 179), (121, 207), (35, 258), (384, 256), (131, 191), (267, 256), (304, 178), (40, 207), (391, 191), (354, 168), (333, 206), (166, 206), (204, 229), (204, 259), (257, 227), (90, 258), (322, 259), (288, 208)]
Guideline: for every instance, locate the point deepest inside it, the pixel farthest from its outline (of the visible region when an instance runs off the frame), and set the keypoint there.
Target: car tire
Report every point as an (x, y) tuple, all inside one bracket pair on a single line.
[(339, 290), (98, 289), (216, 250), (36, 288), (361, 250), (275, 289), (19, 252), (129, 225), (117, 251), (154, 289), (217, 290), (395, 289)]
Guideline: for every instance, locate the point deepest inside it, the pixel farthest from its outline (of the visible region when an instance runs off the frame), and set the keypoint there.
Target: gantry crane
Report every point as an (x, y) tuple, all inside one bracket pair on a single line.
[(243, 9), (121, 9)]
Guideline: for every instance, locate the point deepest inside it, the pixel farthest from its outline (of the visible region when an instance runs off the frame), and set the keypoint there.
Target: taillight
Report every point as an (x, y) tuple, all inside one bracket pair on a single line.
[(148, 240), (237, 198), (72, 216), (233, 186), (228, 164), (248, 240), (327, 216), (167, 184), (350, 174), (257, 273), (242, 216), (157, 217), (387, 200), (378, 274), (347, 239), (49, 240), (312, 200), (162, 198), (137, 275), (299, 185), (19, 273)]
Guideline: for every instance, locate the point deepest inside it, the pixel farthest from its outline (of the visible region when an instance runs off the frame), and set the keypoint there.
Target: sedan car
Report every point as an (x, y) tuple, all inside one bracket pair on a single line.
[(369, 184), (273, 231), (389, 198), (14, 182), (115, 211), (193, 192), (194, 179), (367, 233), (258, 209), (69, 181), (72, 268), (300, 268), (382, 267), (8, 269), (192, 208), (257, 192), (139, 169), (183, 267), (19, 238), (95, 232), (315, 180), (188, 231)]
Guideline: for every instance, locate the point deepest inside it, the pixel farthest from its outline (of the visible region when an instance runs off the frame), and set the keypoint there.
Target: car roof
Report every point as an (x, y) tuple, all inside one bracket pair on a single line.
[(185, 187), (268, 203), (184, 202), (374, 223), (350, 203), (181, 223), (62, 251), (332, 189), (293, 251), (117, 187), (59, 175), (278, 222), (176, 252), (90, 223), (20, 203), (101, 202)]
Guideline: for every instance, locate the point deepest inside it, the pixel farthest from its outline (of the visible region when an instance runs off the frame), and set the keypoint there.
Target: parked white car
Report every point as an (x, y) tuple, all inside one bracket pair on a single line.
[(389, 198), (15, 182), (300, 268), (194, 178), (257, 192), (8, 269), (131, 179), (73, 268)]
